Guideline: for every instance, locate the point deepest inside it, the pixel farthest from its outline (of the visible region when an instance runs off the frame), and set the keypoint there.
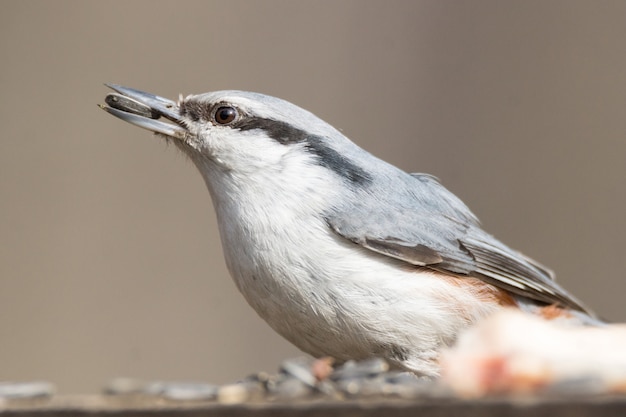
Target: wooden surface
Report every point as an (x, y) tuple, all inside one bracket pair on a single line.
[(111, 406)]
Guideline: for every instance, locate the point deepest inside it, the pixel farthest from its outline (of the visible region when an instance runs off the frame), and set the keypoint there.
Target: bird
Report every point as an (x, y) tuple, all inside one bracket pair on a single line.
[(341, 253)]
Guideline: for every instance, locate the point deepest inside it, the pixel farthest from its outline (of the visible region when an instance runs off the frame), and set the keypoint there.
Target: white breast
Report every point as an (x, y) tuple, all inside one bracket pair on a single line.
[(329, 296)]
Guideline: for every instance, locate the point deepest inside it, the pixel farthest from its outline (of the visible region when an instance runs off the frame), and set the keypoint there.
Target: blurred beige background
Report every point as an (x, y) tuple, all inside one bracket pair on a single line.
[(110, 262)]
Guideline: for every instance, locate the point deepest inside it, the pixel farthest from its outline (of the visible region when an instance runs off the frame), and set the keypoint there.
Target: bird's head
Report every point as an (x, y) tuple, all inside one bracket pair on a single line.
[(247, 135)]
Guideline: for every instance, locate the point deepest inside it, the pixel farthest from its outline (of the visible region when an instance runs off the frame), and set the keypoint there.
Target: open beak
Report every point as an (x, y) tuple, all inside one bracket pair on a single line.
[(144, 109)]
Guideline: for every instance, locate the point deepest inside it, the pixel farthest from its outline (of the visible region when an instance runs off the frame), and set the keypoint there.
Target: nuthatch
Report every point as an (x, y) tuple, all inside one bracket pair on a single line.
[(340, 252)]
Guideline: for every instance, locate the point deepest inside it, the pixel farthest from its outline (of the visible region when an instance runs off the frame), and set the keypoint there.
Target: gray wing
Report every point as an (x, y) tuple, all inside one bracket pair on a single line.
[(422, 223)]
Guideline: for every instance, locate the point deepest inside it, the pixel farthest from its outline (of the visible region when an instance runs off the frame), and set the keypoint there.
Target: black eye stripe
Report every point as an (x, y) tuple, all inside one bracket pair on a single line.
[(283, 133), (286, 134), (279, 131)]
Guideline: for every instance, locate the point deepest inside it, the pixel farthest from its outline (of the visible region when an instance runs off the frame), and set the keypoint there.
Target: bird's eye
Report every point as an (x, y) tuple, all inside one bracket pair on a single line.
[(225, 115)]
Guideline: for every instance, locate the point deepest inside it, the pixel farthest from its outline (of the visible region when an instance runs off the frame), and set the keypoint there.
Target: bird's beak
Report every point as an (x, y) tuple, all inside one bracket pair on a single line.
[(143, 109)]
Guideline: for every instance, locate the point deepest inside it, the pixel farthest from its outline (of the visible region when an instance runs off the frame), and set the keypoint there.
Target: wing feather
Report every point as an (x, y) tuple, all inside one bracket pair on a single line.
[(427, 226)]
